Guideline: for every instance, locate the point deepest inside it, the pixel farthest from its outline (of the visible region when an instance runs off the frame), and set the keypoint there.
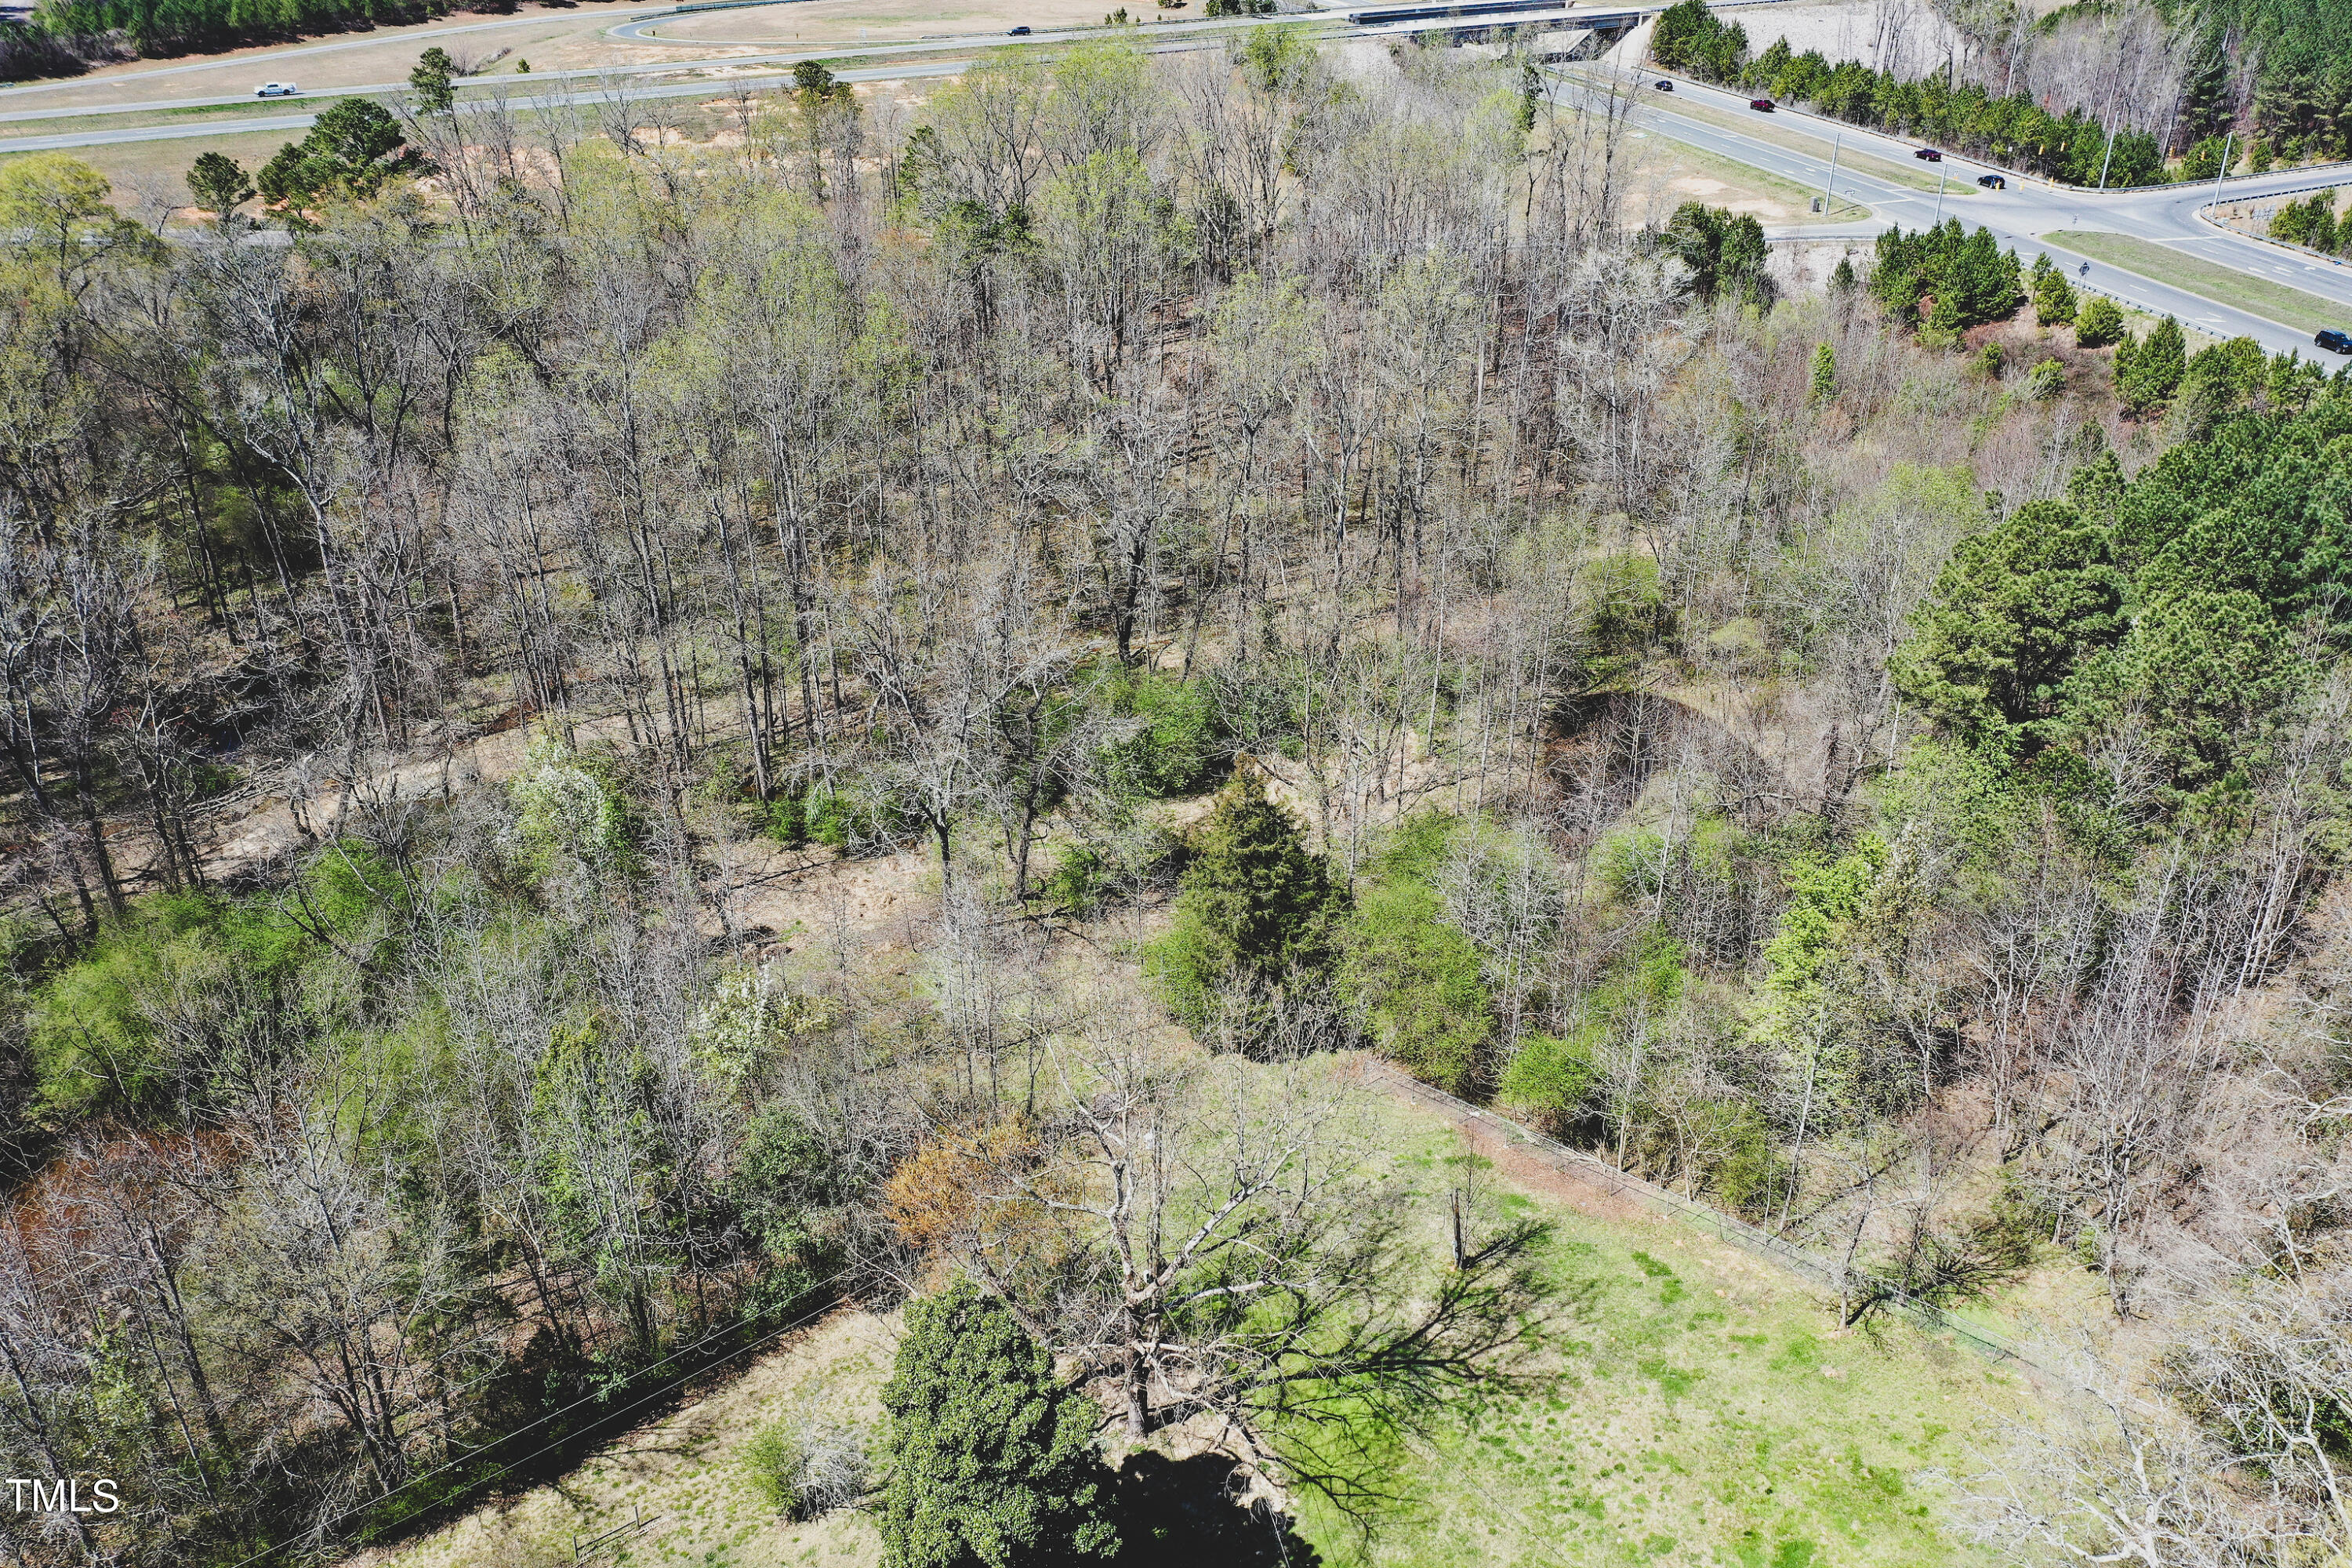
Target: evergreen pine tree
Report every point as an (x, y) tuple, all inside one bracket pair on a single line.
[(2053, 297), (1256, 904), (431, 80), (2099, 324), (218, 183), (2148, 379)]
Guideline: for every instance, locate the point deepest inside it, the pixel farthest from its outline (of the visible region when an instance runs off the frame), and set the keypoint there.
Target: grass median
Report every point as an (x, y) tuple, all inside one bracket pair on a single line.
[(1678, 156), (2289, 307), (1765, 128)]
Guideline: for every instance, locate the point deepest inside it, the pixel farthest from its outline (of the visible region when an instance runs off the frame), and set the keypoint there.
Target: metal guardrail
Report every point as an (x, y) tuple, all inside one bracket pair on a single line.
[(2205, 216), (720, 6), (1814, 1265)]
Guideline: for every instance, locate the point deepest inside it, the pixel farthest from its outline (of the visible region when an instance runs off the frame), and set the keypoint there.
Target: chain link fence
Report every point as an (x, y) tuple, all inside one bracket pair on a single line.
[(1814, 1265)]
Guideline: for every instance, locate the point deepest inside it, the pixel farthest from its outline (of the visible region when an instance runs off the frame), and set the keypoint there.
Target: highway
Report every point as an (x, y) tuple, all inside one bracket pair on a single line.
[(1155, 37), (262, 63), (608, 91), (2020, 216), (758, 65), (2030, 208)]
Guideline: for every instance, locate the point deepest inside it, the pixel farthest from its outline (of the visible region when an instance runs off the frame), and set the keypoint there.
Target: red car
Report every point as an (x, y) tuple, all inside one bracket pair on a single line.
[(1929, 154), (1763, 103)]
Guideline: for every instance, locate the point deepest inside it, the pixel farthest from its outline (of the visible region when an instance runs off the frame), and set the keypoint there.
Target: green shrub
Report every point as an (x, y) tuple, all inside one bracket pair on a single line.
[(167, 993), (573, 803), (2100, 323), (1416, 985), (1730, 1146), (855, 819), (1181, 744), (1549, 1080), (1076, 882), (788, 819), (807, 1468), (787, 1179)]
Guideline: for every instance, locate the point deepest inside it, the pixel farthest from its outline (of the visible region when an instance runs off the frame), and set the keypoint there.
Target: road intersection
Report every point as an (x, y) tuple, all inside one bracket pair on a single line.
[(2022, 216), (2024, 212)]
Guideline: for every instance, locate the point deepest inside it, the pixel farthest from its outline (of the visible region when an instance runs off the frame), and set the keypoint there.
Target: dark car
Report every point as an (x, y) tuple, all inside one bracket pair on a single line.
[(1929, 155), (1664, 86), (1021, 32), (1992, 182), (2334, 342), (1763, 103)]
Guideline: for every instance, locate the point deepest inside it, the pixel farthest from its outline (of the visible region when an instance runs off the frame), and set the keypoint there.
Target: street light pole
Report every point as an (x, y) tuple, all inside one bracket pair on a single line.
[(1941, 175), (1829, 191), (2225, 168), (2103, 160)]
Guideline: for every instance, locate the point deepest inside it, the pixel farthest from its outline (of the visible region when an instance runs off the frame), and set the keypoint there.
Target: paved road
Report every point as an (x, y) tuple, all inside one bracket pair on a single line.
[(1158, 39), (2167, 214), (586, 95), (2020, 216), (1156, 36), (262, 65), (2029, 209)]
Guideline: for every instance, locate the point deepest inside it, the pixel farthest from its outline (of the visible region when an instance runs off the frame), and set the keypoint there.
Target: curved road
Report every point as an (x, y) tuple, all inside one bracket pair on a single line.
[(1171, 38), (2020, 216), (2030, 208)]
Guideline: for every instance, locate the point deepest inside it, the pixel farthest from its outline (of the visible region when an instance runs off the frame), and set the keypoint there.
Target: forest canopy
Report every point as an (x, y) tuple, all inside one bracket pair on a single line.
[(817, 710)]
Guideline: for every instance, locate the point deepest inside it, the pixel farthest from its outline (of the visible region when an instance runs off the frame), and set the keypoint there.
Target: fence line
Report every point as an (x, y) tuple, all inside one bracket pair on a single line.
[(1814, 1265)]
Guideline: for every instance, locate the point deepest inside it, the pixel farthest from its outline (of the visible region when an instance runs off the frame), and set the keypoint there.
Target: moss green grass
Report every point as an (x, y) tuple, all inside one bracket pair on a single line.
[(2287, 305), (1700, 1408)]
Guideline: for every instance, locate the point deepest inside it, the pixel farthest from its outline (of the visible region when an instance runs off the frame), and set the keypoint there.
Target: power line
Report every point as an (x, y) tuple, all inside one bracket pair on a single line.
[(808, 1317)]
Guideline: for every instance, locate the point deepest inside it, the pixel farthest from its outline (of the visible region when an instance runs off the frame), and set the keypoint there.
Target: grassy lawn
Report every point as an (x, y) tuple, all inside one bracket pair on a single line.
[(1696, 1406), (2226, 285), (1704, 1409), (1679, 161), (686, 1475), (1767, 128), (244, 109), (163, 166)]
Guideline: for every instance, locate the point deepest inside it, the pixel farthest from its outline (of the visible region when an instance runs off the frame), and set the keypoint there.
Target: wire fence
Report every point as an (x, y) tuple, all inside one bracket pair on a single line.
[(1814, 1265)]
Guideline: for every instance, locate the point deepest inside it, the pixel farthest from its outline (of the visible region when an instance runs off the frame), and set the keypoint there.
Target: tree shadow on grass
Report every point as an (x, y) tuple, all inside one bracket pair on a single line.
[(1193, 1513)]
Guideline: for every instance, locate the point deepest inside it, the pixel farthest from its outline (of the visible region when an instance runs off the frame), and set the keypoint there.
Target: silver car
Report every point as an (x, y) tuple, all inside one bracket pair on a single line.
[(277, 89)]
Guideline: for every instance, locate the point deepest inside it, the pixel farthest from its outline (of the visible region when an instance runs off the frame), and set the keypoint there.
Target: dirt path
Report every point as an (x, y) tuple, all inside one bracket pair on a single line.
[(1554, 1175)]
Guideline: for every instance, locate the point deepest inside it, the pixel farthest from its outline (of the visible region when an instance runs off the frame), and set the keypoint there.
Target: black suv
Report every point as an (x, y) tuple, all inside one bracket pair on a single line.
[(1992, 182), (2335, 341)]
